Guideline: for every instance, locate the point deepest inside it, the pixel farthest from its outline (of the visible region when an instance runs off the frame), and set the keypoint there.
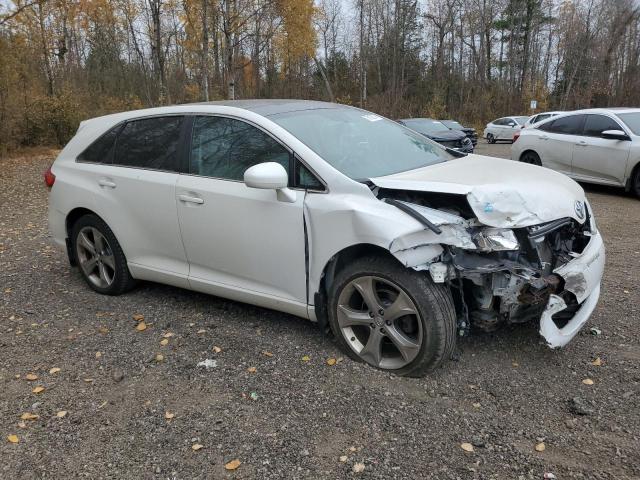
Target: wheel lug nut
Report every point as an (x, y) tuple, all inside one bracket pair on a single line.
[(372, 325), (388, 322), (371, 314), (381, 312)]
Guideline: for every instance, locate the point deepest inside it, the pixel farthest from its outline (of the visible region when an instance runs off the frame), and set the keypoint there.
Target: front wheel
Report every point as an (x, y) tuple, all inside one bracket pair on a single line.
[(635, 183), (391, 317), (491, 138)]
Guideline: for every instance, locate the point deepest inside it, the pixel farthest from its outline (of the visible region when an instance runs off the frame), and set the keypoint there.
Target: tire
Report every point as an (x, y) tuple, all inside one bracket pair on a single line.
[(99, 256), (491, 138), (531, 158), (420, 316), (635, 182)]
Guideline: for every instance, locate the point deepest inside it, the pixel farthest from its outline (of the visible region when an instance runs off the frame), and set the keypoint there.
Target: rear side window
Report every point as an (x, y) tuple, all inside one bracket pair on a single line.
[(500, 121), (150, 143), (101, 150), (596, 124), (225, 148), (571, 125)]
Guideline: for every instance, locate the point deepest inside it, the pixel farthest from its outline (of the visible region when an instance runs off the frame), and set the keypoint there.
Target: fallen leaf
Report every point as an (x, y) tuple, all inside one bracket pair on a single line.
[(61, 414), (103, 330), (343, 458), (515, 364), (597, 362), (168, 415), (331, 361), (38, 390), (467, 447), (540, 447), (13, 438), (22, 425), (88, 380), (358, 467), (476, 405), (196, 447), (352, 449), (159, 357), (201, 331), (267, 354), (31, 376), (141, 326), (216, 349), (54, 370), (138, 317), (587, 381), (306, 358), (232, 465), (168, 335), (252, 369), (98, 354), (29, 416), (164, 341)]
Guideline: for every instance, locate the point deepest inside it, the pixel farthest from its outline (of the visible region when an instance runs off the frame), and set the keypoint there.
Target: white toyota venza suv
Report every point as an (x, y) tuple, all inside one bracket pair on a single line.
[(330, 213)]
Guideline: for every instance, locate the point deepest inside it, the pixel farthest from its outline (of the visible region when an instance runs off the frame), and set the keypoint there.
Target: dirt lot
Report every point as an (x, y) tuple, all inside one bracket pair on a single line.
[(293, 418)]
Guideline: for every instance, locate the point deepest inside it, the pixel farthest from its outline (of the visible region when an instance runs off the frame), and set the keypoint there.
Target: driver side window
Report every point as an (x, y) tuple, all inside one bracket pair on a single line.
[(225, 148)]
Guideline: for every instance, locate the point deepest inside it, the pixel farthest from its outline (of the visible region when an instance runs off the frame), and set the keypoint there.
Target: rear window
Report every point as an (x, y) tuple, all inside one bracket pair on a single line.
[(100, 151), (150, 143)]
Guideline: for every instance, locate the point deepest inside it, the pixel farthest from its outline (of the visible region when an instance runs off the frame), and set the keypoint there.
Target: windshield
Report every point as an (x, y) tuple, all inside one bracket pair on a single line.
[(521, 120), (632, 120), (425, 125), (452, 124), (361, 144)]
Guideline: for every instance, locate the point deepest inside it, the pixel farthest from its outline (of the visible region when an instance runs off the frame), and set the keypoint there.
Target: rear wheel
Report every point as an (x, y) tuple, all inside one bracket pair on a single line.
[(491, 138), (635, 183), (392, 318), (531, 157), (100, 257)]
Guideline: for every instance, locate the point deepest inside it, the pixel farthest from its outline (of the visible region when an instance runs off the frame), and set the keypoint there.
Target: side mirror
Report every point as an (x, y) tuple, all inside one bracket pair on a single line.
[(512, 125), (270, 176), (615, 135)]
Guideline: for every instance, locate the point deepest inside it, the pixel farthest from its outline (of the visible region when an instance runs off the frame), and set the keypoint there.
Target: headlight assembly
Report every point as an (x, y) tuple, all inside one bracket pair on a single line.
[(496, 240)]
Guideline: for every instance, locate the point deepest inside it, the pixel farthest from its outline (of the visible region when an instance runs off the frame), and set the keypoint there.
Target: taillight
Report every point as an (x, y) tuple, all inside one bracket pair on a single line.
[(49, 178), (516, 136)]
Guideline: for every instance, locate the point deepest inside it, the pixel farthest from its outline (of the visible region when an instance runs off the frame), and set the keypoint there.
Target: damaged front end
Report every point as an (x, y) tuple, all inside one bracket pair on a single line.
[(549, 272)]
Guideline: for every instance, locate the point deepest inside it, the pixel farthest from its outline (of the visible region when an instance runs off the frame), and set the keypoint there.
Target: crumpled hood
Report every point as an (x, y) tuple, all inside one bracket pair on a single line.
[(502, 193)]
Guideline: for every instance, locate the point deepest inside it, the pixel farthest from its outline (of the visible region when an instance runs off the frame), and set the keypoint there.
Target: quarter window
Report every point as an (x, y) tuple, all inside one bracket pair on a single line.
[(306, 179), (150, 143), (596, 124), (571, 125), (225, 148), (101, 150)]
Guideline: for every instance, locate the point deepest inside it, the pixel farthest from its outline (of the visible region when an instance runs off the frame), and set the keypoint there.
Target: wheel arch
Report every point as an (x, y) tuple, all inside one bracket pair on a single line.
[(72, 217), (529, 150), (635, 170)]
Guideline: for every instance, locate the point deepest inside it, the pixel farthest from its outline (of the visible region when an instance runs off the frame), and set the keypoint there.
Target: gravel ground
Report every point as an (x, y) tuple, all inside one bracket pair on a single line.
[(294, 416)]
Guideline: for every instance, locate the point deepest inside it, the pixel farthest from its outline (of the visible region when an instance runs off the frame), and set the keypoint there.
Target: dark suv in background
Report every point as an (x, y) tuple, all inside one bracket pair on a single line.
[(470, 132), (439, 132)]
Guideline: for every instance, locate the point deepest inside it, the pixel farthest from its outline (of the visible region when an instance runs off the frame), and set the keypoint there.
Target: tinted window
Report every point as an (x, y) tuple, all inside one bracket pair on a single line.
[(101, 150), (224, 148), (150, 143), (500, 121), (571, 125), (361, 144), (596, 124), (306, 179)]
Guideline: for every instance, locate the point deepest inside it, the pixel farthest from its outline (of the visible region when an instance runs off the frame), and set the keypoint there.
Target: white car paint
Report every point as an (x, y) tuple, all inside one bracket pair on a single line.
[(540, 117), (225, 238), (503, 128), (586, 158)]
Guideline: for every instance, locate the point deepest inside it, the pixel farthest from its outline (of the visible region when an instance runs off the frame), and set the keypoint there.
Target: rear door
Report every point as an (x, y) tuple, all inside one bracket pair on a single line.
[(136, 196), (556, 141), (597, 158), (242, 243)]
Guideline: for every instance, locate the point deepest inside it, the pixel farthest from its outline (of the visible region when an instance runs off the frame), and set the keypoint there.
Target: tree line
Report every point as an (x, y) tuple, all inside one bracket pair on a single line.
[(65, 60)]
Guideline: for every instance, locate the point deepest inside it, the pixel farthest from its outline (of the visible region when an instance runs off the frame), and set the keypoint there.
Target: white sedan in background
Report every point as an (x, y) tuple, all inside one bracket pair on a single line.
[(594, 146), (330, 213), (540, 117), (503, 128)]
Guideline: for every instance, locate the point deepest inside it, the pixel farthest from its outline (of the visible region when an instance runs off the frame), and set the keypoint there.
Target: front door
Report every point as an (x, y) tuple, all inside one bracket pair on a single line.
[(241, 243)]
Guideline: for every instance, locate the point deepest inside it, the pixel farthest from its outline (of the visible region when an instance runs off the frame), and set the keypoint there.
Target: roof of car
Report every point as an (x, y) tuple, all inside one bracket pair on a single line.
[(604, 110), (273, 106)]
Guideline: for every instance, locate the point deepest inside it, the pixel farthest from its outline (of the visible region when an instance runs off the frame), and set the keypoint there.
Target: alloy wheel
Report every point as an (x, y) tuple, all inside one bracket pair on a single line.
[(95, 257), (380, 322)]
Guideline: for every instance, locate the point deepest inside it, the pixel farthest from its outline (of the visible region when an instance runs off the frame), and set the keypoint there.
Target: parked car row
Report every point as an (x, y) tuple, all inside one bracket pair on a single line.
[(594, 146), (439, 132)]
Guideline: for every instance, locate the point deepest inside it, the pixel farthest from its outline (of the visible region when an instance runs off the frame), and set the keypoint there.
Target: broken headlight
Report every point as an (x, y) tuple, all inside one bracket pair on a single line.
[(496, 240)]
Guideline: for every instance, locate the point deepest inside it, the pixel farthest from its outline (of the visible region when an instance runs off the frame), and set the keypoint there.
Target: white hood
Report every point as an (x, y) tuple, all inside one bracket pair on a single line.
[(502, 193)]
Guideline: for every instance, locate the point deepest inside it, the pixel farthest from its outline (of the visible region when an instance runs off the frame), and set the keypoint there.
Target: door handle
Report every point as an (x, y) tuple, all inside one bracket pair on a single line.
[(103, 182), (543, 137), (581, 143), (189, 199)]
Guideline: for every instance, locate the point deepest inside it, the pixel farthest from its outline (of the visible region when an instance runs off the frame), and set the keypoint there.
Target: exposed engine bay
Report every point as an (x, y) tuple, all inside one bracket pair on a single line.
[(496, 275)]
